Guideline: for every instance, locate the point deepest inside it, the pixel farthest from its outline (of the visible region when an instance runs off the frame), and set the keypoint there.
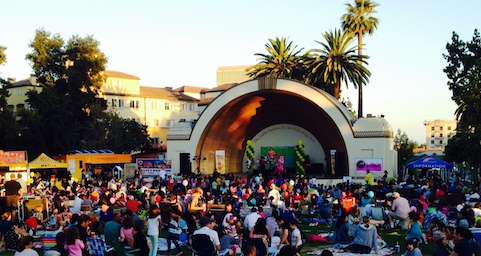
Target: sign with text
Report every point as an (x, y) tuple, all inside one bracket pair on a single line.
[(153, 166), (372, 164), (12, 157)]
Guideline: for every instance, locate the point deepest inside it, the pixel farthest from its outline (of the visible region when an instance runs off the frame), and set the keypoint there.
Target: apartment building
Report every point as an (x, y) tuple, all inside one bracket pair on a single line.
[(438, 132), (158, 108)]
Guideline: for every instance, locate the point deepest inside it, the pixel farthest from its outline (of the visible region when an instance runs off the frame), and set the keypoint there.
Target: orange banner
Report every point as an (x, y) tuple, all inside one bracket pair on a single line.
[(12, 157)]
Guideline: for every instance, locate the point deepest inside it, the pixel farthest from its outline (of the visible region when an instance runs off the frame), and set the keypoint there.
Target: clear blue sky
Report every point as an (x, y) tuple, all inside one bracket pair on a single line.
[(175, 43)]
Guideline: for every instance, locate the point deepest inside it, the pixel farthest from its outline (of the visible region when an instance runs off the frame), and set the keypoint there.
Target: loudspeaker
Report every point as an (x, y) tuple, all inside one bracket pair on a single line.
[(185, 164), (341, 164)]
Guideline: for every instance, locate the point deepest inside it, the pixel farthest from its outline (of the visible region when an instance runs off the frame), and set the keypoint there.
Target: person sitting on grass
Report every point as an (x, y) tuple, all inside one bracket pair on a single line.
[(412, 248), (414, 227), (341, 229), (365, 238)]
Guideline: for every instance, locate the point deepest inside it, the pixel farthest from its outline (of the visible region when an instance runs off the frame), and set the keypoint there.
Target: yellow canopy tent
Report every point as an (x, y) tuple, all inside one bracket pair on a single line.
[(45, 162)]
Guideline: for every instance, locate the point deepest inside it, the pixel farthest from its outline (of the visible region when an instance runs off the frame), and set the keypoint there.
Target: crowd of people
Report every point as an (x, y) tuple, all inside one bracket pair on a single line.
[(257, 212)]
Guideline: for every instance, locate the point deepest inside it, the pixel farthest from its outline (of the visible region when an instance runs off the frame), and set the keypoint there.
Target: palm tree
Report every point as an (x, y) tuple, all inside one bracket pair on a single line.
[(335, 63), (359, 20), (282, 60)]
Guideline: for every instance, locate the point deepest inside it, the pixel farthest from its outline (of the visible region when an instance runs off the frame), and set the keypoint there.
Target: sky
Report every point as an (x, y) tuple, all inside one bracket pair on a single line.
[(183, 42)]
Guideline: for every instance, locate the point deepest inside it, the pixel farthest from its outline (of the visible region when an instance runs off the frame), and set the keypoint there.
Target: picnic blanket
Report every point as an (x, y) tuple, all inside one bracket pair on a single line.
[(335, 248)]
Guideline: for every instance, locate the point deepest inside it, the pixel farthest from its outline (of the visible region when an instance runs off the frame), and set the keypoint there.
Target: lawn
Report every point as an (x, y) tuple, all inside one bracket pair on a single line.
[(388, 236)]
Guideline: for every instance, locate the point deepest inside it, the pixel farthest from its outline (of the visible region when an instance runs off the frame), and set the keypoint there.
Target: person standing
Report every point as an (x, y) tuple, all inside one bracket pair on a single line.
[(112, 230), (369, 178), (153, 225), (13, 192), (22, 182)]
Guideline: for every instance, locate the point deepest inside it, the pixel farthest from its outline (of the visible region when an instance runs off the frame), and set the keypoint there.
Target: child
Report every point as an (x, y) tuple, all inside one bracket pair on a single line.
[(412, 248), (52, 223), (173, 222), (296, 239), (73, 243), (31, 222), (38, 214), (231, 229)]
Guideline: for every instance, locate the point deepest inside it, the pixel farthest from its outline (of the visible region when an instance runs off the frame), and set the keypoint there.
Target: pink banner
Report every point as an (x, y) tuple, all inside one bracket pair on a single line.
[(372, 164)]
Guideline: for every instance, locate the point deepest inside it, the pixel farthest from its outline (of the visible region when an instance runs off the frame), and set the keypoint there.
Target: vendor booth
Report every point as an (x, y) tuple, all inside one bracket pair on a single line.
[(430, 162), (48, 168)]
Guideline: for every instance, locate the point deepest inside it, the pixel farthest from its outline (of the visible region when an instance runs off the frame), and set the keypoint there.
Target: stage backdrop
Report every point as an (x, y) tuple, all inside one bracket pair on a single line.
[(289, 154)]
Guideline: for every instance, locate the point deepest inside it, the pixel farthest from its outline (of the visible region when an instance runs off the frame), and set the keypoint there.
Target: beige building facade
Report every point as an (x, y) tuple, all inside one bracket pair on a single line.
[(158, 108), (438, 132)]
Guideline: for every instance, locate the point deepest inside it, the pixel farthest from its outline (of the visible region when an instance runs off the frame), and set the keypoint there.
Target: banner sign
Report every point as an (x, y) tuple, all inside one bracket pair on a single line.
[(12, 157), (220, 161), (372, 164), (153, 166)]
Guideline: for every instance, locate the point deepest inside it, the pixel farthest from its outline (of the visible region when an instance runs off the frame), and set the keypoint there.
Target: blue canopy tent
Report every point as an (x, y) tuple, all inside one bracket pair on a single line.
[(431, 162)]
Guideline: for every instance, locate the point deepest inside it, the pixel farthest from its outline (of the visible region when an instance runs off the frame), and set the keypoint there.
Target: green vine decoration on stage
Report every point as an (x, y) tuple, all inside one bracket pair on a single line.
[(300, 160), (250, 155)]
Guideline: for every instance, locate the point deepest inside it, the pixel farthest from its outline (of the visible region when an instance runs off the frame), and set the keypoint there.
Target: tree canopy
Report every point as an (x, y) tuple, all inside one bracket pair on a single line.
[(8, 128), (69, 113), (464, 80), (359, 20)]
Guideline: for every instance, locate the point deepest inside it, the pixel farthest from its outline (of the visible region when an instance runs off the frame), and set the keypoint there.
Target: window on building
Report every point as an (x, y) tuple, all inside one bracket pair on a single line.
[(191, 107), (121, 103), (168, 123), (134, 104), (432, 135), (155, 140), (432, 141), (167, 106), (20, 107), (156, 122), (441, 128), (449, 128), (19, 91), (114, 103), (432, 128), (441, 135)]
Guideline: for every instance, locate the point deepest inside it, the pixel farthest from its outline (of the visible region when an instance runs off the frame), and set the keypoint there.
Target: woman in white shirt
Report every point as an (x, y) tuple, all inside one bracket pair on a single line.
[(154, 223)]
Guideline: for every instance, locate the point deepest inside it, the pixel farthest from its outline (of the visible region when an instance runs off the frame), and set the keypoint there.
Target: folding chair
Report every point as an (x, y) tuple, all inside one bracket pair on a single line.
[(203, 246), (377, 213), (363, 211)]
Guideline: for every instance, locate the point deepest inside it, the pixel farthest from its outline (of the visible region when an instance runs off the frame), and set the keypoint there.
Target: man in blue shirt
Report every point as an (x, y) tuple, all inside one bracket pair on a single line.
[(112, 229)]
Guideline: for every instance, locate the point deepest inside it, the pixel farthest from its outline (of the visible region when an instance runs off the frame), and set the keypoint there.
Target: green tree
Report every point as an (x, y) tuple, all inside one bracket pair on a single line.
[(8, 128), (463, 72), (124, 135), (464, 80), (359, 20), (283, 61), (404, 147), (69, 106), (336, 62)]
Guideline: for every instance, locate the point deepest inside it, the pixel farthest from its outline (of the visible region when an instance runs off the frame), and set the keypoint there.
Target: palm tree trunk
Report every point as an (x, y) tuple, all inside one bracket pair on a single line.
[(359, 91), (337, 90)]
